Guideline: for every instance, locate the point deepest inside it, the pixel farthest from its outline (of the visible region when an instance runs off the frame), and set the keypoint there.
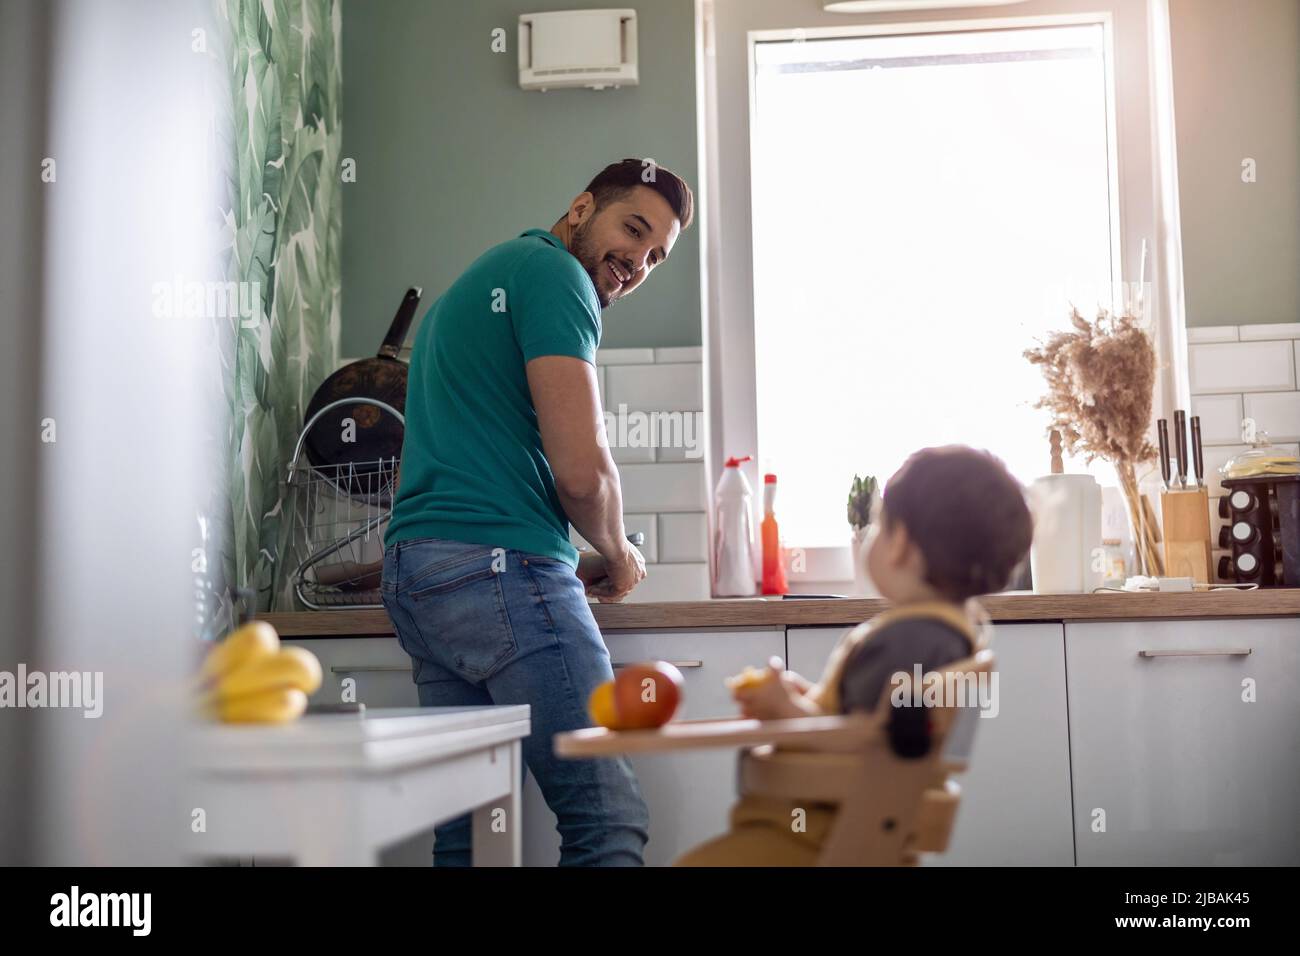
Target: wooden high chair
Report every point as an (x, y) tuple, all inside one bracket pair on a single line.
[(892, 806)]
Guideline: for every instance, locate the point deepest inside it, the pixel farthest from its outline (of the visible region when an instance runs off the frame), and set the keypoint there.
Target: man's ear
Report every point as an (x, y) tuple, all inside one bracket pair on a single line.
[(581, 209)]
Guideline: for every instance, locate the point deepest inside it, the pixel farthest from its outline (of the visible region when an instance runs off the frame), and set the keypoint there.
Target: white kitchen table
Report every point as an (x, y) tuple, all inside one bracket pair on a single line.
[(335, 789)]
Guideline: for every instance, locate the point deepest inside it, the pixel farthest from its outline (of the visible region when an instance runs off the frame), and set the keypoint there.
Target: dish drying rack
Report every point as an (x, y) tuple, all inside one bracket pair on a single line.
[(337, 513)]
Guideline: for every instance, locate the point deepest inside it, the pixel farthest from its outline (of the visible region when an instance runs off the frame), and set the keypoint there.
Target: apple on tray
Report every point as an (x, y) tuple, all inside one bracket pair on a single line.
[(640, 697)]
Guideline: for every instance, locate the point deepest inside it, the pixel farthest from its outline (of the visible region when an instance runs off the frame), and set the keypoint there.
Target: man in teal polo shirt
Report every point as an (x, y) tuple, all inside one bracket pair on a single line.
[(504, 449)]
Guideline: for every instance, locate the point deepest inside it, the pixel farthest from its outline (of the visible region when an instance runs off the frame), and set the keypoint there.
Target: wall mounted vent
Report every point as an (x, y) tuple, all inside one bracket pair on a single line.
[(577, 48)]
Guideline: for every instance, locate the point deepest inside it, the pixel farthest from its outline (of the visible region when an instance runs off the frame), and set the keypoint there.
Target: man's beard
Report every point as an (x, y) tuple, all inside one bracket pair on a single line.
[(583, 250)]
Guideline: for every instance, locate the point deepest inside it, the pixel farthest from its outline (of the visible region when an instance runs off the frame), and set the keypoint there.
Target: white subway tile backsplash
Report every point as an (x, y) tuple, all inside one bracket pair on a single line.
[(673, 582), (636, 436), (664, 487), (646, 388), (1272, 330), (1220, 418), (683, 537), (652, 399), (630, 454), (692, 353), (625, 356), (1242, 367), (1212, 333), (678, 436), (1215, 458), (1261, 354), (690, 448), (1277, 413)]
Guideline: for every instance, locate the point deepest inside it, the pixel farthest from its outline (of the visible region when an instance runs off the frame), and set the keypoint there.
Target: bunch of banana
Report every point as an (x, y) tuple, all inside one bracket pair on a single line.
[(250, 679)]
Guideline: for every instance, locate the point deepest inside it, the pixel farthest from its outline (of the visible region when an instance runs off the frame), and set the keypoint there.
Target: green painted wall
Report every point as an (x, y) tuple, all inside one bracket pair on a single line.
[(1237, 95), (452, 157)]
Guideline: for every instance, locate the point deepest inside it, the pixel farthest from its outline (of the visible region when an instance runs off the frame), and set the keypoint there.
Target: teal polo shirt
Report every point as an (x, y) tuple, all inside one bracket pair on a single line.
[(473, 469)]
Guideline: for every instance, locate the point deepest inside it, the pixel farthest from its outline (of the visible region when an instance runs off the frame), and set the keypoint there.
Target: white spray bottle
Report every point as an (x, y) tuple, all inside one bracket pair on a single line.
[(733, 533)]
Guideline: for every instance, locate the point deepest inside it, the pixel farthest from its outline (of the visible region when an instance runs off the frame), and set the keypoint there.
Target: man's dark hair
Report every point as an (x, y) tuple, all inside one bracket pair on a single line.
[(618, 179), (966, 513)]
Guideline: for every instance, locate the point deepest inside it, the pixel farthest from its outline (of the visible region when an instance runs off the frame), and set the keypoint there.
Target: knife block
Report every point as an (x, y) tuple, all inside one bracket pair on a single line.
[(1186, 519)]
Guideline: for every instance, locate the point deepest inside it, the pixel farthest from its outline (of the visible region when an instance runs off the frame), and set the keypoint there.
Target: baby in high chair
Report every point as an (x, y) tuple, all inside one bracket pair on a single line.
[(953, 524)]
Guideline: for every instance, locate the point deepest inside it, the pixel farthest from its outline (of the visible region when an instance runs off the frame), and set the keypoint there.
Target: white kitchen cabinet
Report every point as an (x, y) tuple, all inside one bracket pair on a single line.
[(688, 794), (807, 648), (379, 668), (1185, 769), (1015, 806)]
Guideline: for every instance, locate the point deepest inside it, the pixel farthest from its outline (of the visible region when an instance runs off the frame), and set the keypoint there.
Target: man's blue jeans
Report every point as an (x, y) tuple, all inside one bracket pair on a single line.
[(495, 626)]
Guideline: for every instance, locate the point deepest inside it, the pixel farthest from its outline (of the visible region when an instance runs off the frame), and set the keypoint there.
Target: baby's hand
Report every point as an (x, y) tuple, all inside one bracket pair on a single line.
[(771, 694)]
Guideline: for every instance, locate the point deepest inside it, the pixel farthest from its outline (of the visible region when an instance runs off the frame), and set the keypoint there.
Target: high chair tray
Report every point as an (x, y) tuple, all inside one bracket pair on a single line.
[(823, 732)]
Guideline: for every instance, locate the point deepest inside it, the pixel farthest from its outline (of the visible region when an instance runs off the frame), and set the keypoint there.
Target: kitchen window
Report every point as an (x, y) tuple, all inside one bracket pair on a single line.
[(924, 207), (925, 201)]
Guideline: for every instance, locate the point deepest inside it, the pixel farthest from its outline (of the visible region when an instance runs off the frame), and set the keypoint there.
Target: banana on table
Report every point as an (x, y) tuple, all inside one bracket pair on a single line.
[(250, 678)]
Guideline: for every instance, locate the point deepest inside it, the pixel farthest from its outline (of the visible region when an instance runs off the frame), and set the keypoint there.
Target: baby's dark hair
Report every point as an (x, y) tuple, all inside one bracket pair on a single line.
[(966, 513)]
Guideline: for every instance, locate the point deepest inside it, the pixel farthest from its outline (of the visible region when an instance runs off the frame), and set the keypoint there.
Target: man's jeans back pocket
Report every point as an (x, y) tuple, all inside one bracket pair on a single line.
[(461, 615)]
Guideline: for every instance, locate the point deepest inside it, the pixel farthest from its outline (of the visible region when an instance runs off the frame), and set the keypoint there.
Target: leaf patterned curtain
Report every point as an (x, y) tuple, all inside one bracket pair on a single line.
[(284, 225)]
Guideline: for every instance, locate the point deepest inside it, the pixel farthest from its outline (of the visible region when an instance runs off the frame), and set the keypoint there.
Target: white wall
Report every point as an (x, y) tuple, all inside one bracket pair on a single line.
[(132, 205)]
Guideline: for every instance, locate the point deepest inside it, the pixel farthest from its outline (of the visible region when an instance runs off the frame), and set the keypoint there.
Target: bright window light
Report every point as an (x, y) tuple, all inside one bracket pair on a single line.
[(925, 208)]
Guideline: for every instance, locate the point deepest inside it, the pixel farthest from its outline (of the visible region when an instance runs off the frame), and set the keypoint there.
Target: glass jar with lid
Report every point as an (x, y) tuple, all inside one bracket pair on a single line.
[(1262, 459)]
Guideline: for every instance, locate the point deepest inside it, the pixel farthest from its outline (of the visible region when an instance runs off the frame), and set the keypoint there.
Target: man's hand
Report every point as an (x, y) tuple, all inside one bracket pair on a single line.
[(620, 577), (591, 567)]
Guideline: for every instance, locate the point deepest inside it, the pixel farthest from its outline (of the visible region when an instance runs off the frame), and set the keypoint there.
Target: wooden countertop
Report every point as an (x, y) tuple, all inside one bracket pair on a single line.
[(1278, 602)]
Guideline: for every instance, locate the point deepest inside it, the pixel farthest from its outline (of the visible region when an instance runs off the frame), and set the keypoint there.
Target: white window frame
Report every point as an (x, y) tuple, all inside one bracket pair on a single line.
[(726, 96)]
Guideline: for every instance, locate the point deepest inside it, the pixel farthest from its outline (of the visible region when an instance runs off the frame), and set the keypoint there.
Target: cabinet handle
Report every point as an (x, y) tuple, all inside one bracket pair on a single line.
[(367, 668), (1207, 652), (678, 664)]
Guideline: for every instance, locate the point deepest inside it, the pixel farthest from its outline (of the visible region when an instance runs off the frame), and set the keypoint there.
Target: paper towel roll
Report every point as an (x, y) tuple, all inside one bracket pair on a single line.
[(1066, 556)]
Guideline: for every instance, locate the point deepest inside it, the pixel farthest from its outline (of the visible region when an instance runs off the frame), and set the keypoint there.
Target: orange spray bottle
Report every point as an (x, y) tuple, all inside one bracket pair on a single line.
[(774, 581)]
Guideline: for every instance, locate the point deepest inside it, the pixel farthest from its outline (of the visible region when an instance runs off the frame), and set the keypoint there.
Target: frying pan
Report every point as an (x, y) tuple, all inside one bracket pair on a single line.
[(376, 435)]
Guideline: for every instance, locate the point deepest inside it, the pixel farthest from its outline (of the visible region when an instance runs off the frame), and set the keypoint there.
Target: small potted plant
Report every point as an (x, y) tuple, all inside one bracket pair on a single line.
[(862, 496)]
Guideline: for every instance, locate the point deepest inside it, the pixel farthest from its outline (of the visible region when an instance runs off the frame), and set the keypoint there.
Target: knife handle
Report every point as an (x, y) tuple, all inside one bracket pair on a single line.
[(1162, 432), (1180, 442), (1198, 451)]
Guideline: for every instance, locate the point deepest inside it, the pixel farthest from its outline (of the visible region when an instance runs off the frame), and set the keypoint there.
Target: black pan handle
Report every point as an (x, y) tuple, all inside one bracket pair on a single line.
[(401, 324)]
